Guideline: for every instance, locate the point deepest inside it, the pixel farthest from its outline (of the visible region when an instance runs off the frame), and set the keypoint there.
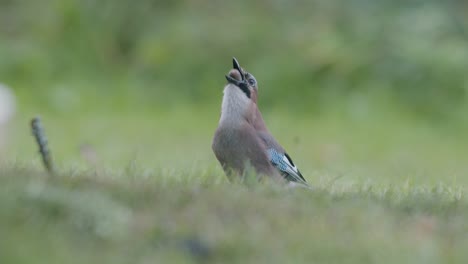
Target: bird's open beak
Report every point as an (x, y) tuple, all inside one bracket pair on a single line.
[(236, 75), (235, 65)]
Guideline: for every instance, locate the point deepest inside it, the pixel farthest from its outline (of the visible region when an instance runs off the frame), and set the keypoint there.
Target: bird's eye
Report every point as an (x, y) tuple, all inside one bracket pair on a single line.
[(252, 81)]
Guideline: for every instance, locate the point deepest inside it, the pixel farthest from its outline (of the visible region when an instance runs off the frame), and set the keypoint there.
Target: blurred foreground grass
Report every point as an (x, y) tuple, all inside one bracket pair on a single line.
[(194, 218)]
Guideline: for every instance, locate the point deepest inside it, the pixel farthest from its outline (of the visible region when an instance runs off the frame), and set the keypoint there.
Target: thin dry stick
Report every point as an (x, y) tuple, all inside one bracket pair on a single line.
[(39, 135)]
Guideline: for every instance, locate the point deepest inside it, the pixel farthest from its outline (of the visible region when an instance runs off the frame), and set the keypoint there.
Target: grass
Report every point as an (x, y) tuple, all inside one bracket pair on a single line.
[(146, 188), (101, 218)]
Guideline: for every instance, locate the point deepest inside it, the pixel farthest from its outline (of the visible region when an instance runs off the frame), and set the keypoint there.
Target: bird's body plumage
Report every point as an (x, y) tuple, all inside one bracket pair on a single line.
[(236, 140), (242, 138), (239, 147)]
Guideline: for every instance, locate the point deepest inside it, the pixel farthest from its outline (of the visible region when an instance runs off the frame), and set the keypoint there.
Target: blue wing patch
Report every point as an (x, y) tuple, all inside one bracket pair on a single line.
[(286, 166)]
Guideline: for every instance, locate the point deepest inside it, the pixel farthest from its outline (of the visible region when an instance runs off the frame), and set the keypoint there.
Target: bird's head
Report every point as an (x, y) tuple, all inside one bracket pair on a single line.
[(243, 80)]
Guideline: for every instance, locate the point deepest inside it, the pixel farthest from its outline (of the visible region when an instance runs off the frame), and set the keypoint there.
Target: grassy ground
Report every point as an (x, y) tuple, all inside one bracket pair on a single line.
[(163, 220), (146, 188)]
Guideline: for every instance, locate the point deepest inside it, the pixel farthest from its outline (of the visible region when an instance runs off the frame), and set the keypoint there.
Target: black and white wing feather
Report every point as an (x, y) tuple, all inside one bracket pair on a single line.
[(285, 165)]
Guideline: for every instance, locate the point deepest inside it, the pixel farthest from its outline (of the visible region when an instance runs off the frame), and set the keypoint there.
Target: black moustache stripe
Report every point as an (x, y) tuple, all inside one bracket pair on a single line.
[(245, 89)]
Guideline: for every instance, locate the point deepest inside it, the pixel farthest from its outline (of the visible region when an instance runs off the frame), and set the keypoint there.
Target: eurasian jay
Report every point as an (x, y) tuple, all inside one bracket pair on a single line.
[(242, 138)]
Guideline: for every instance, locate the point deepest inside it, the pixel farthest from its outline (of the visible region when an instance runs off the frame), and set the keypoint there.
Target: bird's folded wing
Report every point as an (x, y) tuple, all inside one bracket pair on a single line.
[(285, 165)]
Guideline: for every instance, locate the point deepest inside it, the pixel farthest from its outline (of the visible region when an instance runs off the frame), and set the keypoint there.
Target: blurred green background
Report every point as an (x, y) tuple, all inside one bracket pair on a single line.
[(370, 99), (309, 56), (373, 83)]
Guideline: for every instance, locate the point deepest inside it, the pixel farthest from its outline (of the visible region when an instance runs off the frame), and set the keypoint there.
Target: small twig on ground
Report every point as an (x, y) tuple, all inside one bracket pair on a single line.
[(39, 135)]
